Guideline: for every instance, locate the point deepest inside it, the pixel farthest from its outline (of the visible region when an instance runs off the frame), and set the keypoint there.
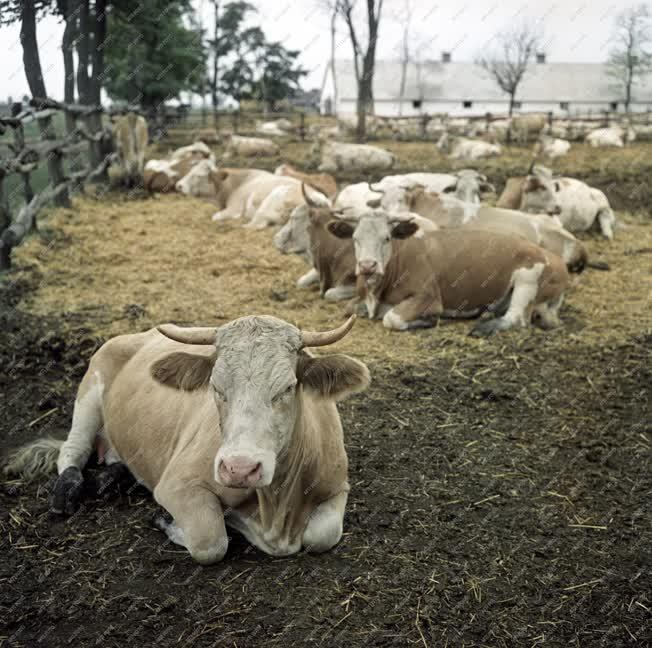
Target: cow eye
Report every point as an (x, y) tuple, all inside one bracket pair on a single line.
[(285, 393)]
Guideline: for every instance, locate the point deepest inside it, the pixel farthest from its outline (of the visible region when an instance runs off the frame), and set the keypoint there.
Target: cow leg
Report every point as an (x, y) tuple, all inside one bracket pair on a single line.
[(325, 525), (414, 312), (339, 293), (224, 214), (525, 283), (74, 453), (198, 520), (309, 279), (606, 220)]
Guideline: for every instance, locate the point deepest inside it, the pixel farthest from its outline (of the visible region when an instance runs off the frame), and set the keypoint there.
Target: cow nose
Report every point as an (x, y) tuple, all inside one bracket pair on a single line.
[(367, 267), (555, 211), (240, 472), (178, 187)]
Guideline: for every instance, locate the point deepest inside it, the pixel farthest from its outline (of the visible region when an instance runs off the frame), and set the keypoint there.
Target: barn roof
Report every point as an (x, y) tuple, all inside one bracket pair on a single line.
[(437, 81)]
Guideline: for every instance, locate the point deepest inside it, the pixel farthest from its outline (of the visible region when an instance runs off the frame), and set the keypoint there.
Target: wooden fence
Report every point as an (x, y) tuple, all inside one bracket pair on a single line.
[(83, 124)]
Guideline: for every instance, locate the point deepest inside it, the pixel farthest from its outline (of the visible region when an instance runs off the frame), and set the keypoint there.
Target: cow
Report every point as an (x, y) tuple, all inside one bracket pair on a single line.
[(274, 128), (579, 206), (332, 260), (323, 182), (236, 424), (249, 146), (163, 175), (611, 136), (462, 148), (130, 140), (254, 195), (206, 135), (447, 212), (527, 126), (338, 156), (409, 283), (551, 147)]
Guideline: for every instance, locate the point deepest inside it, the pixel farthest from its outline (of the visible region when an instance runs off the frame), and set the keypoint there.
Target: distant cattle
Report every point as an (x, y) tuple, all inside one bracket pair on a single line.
[(551, 147), (323, 182), (238, 418), (462, 148), (528, 126), (130, 139), (578, 206), (249, 146), (163, 175), (611, 136), (276, 128), (409, 282), (338, 156)]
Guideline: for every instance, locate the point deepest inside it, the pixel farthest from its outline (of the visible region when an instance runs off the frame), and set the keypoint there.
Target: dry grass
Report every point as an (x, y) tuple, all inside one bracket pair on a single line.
[(117, 266)]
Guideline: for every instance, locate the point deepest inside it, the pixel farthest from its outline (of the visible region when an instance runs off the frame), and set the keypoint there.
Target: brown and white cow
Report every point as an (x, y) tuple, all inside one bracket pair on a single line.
[(579, 206), (410, 282), (162, 175), (130, 140), (448, 211), (323, 182), (236, 424)]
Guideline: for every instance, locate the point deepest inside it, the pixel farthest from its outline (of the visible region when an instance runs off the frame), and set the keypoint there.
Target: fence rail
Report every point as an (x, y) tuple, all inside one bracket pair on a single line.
[(51, 149)]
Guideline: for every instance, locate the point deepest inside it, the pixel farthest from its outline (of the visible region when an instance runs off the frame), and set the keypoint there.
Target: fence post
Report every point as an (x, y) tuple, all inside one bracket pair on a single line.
[(19, 141), (55, 161), (302, 126), (5, 221)]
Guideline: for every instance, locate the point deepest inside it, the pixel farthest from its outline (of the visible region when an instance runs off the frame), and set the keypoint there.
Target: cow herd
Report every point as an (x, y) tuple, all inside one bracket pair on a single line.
[(237, 424)]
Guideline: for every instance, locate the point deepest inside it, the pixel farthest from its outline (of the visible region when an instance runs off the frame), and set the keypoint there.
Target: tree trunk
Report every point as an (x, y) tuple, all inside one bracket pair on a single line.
[(628, 88), (31, 60), (99, 29), (215, 76), (508, 135), (70, 13), (333, 67), (83, 90)]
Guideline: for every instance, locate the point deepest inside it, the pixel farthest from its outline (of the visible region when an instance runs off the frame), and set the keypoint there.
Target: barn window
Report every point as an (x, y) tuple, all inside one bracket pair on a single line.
[(416, 103), (614, 105), (518, 105), (467, 104), (563, 105)]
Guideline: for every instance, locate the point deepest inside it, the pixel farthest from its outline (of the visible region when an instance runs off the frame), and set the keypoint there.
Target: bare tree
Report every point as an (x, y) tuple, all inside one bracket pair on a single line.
[(404, 46), (364, 57), (334, 12), (631, 58), (31, 60), (509, 61)]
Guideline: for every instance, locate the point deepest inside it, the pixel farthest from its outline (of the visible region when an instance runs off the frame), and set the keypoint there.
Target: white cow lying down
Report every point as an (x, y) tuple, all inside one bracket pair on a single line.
[(338, 156), (250, 146), (254, 195), (462, 148), (612, 136)]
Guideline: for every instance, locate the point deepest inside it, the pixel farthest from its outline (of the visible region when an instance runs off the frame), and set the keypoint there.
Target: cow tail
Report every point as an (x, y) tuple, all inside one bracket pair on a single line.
[(34, 460)]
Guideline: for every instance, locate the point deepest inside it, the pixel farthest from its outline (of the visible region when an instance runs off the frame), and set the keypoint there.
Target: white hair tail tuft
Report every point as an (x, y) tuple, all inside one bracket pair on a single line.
[(34, 460)]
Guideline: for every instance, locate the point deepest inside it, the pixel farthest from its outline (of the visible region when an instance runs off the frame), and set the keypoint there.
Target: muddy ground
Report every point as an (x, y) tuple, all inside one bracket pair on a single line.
[(500, 488)]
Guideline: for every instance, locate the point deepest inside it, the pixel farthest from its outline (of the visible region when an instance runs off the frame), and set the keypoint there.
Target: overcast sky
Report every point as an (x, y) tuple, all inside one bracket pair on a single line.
[(575, 30)]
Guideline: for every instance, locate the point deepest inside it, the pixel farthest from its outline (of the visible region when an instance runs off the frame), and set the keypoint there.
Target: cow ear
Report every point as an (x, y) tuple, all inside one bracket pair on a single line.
[(185, 371), (334, 376), (557, 186), (219, 176), (404, 229), (487, 187), (450, 189), (340, 228)]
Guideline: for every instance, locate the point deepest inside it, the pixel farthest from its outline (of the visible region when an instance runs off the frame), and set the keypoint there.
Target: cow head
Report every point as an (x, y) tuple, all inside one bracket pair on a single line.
[(197, 182), (540, 195), (470, 186), (372, 236), (257, 376), (443, 144)]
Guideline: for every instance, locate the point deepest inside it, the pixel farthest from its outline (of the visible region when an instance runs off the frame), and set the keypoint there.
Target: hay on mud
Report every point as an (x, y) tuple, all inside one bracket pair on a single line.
[(119, 266)]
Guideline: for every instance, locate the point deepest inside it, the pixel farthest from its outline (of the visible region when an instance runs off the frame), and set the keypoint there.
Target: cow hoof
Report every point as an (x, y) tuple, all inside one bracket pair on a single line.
[(67, 493), (488, 327)]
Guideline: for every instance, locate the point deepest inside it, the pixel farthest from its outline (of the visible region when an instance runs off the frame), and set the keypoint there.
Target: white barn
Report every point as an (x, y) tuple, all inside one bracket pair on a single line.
[(466, 89)]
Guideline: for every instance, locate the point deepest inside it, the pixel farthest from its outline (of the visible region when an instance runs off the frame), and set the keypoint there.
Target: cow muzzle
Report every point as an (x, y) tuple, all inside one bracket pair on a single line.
[(239, 472), (367, 268), (555, 211)]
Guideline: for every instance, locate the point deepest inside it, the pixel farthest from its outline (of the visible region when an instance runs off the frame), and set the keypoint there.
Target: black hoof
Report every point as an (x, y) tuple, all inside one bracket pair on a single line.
[(67, 492), (487, 327)]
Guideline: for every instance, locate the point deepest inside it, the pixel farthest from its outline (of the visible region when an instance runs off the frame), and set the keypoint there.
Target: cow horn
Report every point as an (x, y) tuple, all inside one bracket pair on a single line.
[(319, 338), (531, 169), (380, 191), (188, 335), (309, 201)]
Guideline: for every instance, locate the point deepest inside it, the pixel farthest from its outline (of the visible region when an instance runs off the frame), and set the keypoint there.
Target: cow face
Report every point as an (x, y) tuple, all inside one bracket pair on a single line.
[(197, 182), (256, 378), (470, 186), (372, 240), (293, 237), (540, 195)]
